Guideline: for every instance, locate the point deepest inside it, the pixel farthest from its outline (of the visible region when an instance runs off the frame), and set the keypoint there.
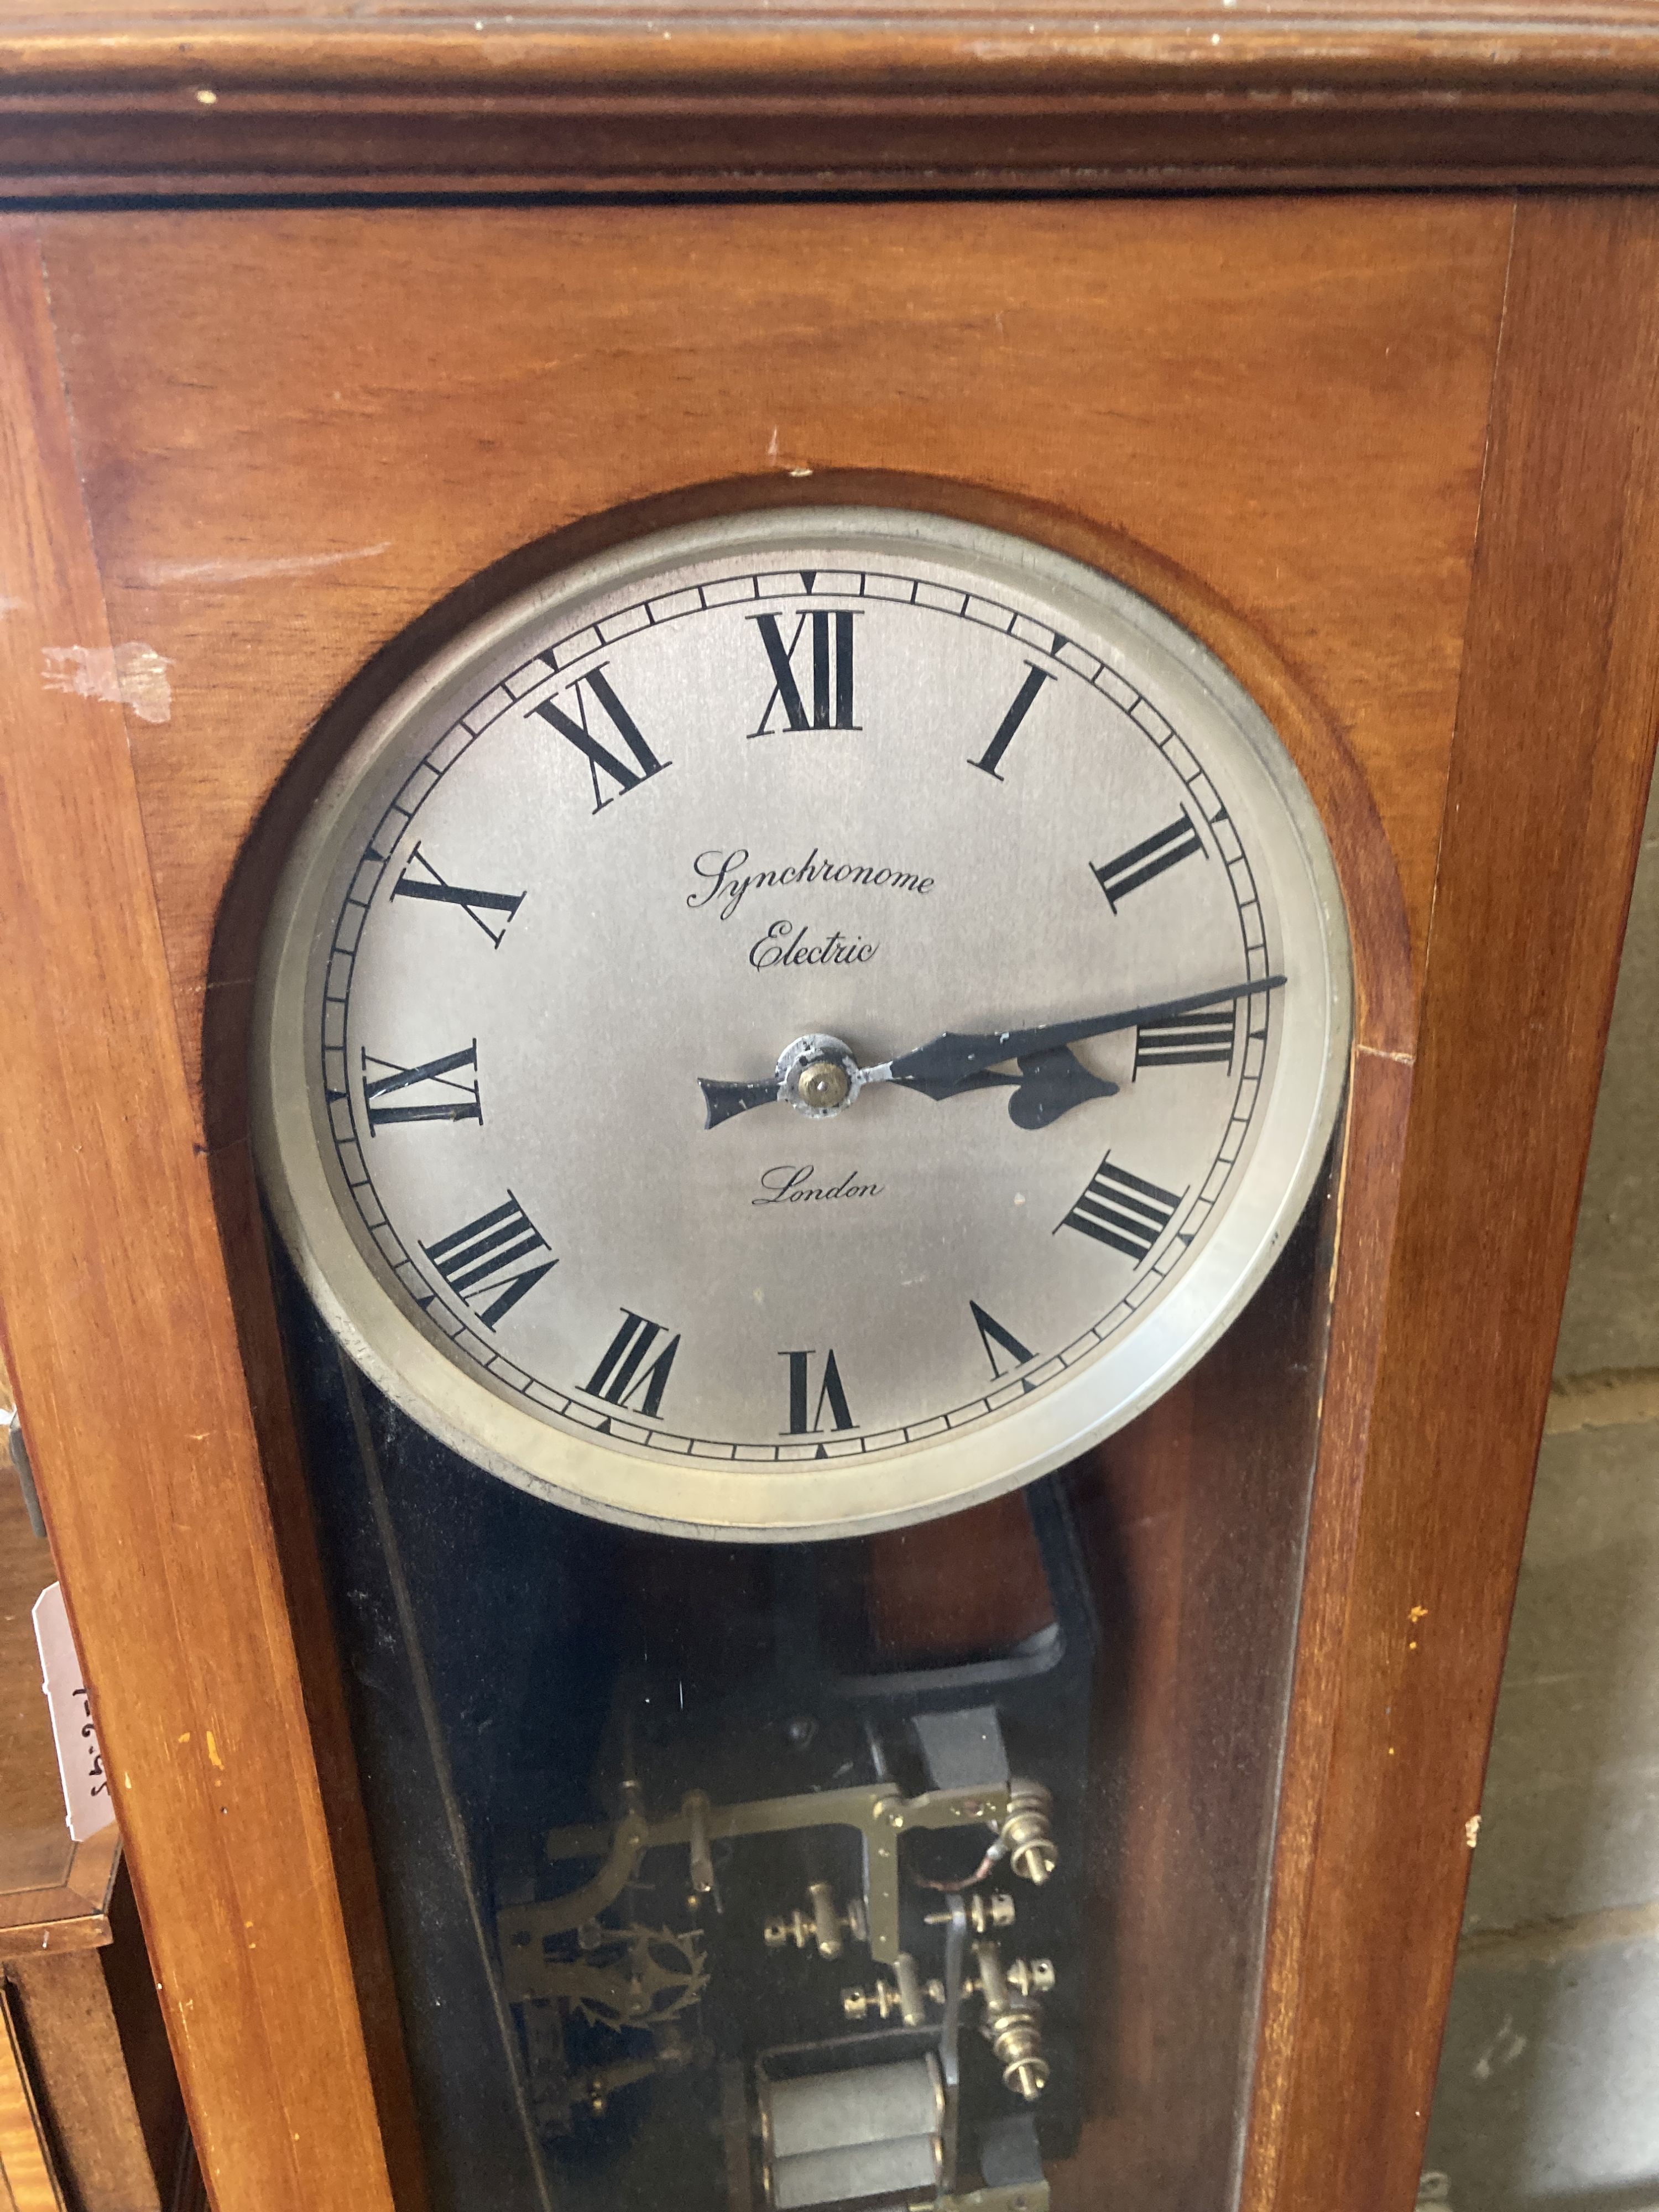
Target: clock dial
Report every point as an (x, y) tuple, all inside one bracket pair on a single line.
[(800, 1023)]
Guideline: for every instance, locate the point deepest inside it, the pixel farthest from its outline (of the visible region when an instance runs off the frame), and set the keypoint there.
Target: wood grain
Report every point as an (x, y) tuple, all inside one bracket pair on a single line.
[(314, 442), (80, 2082), (1146, 95), (1555, 744), (122, 1344), (1284, 402), (29, 2177)]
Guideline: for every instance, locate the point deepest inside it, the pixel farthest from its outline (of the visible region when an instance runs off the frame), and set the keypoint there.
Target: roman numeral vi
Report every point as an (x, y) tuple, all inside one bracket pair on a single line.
[(831, 1393)]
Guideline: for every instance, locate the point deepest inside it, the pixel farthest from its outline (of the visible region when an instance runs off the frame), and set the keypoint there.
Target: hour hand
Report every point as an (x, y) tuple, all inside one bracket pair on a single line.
[(722, 1100)]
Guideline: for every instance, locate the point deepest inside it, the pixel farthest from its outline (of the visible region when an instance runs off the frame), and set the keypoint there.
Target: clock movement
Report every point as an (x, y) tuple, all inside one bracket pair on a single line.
[(811, 875)]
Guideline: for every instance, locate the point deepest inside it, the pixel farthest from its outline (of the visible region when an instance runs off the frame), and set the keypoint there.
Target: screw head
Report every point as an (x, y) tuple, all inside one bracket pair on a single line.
[(823, 1084)]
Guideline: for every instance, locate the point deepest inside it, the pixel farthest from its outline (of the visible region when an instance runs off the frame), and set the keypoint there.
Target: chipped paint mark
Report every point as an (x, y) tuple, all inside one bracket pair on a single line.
[(126, 1782), (1609, 1398), (133, 676), (772, 449), (1472, 1830), (11, 606), (1502, 2052), (800, 472), (185, 1738), (214, 1758), (244, 572), (1418, 1613)]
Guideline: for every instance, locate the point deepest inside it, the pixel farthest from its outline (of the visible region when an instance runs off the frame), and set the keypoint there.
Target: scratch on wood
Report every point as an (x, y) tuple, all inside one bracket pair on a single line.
[(133, 676), (243, 572), (1375, 1051)]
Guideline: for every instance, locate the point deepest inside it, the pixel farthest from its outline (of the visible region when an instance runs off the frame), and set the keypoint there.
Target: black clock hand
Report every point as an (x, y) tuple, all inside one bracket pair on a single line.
[(1051, 1081), (948, 1063)]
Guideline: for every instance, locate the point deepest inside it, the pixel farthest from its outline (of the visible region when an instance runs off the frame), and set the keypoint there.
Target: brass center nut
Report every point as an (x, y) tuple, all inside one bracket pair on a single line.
[(823, 1084)]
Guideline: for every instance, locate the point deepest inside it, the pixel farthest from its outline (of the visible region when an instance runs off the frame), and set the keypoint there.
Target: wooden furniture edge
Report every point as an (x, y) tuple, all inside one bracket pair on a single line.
[(1563, 643), (740, 100), (131, 1380), (72, 1914)]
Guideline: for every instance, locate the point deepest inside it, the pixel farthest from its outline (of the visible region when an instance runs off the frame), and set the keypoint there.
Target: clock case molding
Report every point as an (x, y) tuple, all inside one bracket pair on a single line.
[(1408, 494)]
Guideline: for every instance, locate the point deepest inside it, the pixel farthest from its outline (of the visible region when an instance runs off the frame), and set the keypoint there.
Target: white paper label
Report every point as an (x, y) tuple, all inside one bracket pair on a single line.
[(88, 1805)]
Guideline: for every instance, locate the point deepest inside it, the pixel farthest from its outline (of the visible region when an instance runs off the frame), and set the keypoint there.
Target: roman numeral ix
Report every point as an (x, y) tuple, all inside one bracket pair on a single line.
[(451, 1099), (1025, 699), (429, 885), (831, 659), (1176, 840), (831, 1393), (480, 1261), (1188, 1040), (1123, 1210), (601, 760), (624, 1371)]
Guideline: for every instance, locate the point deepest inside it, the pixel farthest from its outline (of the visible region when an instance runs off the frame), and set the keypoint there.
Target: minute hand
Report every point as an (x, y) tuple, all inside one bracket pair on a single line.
[(951, 1062)]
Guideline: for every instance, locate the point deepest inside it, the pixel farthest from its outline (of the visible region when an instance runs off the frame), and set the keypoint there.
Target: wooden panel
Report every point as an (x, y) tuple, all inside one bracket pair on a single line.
[(121, 1341), (1146, 94), (1555, 739), (71, 1913), (34, 1845), (1287, 401), (28, 2178), (80, 2082)]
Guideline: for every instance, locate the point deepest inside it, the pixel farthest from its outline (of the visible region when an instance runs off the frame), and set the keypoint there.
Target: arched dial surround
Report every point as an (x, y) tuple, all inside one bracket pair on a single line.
[(799, 1024)]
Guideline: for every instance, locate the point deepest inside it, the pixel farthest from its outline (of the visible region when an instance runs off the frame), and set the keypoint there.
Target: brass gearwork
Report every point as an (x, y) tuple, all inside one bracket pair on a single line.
[(1028, 1835), (984, 1912), (821, 1927), (1012, 2027)]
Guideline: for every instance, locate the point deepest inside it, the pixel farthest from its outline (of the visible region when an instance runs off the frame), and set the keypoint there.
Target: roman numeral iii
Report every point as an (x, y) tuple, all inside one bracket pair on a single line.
[(480, 1261), (447, 1098), (1188, 1040), (428, 884), (830, 658), (601, 760), (831, 1393), (1123, 1210), (623, 1375), (1175, 840)]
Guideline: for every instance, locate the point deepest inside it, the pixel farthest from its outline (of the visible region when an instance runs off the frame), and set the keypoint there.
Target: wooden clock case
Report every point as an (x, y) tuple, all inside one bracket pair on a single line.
[(1390, 453)]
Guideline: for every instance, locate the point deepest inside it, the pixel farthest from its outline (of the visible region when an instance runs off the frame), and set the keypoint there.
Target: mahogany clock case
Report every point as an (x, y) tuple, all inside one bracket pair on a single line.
[(1390, 459)]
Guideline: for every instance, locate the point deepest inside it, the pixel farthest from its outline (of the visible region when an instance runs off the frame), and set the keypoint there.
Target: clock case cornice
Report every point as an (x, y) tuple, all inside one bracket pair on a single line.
[(187, 102)]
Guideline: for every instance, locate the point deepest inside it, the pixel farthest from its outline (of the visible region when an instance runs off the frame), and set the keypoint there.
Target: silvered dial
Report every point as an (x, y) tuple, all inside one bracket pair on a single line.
[(800, 1023)]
